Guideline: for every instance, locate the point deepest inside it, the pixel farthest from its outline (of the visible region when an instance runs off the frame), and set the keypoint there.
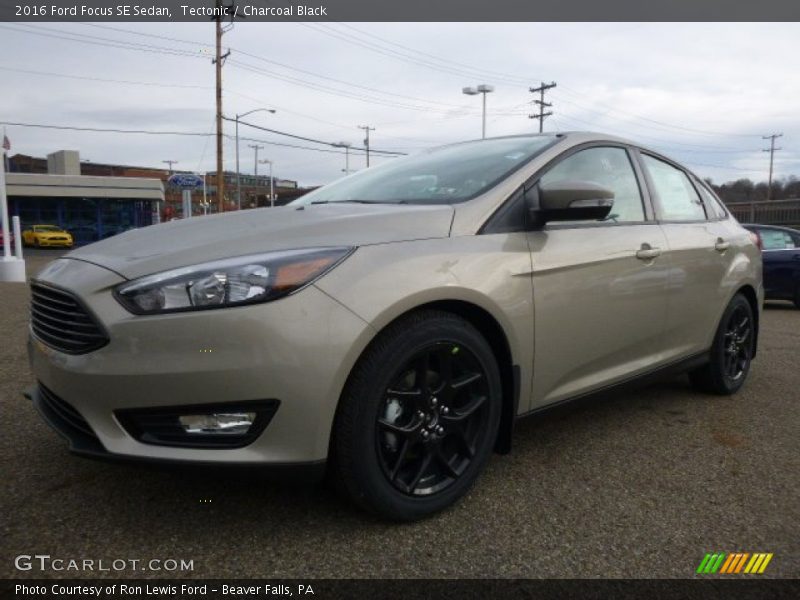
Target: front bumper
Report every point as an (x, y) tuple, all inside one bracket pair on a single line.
[(298, 350), (85, 444), (45, 243)]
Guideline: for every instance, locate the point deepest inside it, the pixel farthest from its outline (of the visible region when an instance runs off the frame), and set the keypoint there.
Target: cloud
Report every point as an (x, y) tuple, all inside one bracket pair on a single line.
[(701, 93)]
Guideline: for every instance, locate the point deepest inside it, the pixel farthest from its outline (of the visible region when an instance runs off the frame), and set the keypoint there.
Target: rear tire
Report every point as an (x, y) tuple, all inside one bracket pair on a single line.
[(797, 297), (418, 418), (731, 352)]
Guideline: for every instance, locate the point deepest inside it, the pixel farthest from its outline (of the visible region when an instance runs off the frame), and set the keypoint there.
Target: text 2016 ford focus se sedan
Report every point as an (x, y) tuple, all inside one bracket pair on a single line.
[(392, 325)]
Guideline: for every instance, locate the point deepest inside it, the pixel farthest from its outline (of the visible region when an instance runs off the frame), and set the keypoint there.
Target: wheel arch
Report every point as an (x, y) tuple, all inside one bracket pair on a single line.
[(491, 329)]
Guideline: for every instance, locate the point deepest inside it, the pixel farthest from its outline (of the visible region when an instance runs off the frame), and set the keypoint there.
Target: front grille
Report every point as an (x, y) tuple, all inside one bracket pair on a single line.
[(59, 320), (65, 411)]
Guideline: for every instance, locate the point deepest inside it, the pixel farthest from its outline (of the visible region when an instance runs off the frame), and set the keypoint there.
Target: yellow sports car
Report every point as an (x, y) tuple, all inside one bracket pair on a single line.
[(47, 235)]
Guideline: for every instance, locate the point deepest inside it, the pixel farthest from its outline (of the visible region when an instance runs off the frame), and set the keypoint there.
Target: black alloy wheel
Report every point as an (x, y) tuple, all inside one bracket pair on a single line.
[(418, 418), (731, 353), (431, 420), (737, 346)]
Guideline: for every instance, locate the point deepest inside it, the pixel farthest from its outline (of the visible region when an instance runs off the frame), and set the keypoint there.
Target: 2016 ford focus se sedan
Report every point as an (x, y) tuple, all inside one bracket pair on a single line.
[(391, 326)]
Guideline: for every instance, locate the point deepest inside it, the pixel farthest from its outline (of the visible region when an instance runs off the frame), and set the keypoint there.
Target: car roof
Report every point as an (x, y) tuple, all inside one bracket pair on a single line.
[(578, 137), (764, 226)]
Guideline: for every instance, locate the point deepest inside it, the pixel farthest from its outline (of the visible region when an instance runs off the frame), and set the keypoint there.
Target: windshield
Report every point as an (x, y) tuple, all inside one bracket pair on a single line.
[(440, 176), (47, 228)]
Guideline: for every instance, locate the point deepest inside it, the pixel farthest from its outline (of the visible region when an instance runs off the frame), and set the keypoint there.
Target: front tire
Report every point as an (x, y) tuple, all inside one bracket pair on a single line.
[(731, 352), (418, 418)]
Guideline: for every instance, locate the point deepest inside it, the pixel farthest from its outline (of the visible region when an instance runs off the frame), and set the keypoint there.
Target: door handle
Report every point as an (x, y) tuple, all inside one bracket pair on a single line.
[(721, 245), (647, 252)]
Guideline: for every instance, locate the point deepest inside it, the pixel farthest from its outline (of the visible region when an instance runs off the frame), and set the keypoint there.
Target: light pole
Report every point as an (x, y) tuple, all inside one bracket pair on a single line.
[(271, 182), (474, 91), (346, 146), (256, 147), (238, 177)]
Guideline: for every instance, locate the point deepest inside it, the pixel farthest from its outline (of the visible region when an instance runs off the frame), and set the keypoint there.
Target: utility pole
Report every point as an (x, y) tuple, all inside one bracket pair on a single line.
[(367, 128), (218, 61), (542, 104), (170, 163), (772, 150), (256, 147), (266, 161)]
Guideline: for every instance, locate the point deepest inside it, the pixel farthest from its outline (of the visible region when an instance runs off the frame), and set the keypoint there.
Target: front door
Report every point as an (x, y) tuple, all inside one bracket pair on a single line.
[(599, 287)]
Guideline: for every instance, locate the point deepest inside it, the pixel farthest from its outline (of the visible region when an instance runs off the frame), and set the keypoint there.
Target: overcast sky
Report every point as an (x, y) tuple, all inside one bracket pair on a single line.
[(701, 93)]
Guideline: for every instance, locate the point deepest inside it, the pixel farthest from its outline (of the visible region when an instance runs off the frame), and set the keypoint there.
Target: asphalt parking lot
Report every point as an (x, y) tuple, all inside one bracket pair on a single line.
[(639, 485)]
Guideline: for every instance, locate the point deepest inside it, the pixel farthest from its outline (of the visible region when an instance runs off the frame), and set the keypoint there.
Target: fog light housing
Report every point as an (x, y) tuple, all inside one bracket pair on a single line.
[(229, 425), (217, 423)]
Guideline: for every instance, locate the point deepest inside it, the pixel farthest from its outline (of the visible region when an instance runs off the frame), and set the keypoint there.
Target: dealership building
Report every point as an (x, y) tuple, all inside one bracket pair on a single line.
[(94, 201), (90, 207)]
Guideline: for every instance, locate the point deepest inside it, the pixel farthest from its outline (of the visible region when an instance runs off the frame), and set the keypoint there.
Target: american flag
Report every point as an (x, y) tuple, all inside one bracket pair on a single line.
[(6, 143)]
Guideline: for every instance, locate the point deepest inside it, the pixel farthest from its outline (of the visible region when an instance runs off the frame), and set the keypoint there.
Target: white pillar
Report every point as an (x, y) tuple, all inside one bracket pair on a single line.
[(11, 268), (4, 207), (17, 236)]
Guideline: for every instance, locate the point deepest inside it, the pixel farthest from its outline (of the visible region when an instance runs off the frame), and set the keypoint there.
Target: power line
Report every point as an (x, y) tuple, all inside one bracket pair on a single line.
[(116, 43), (126, 45), (308, 139), (104, 80), (195, 134), (663, 125), (105, 130)]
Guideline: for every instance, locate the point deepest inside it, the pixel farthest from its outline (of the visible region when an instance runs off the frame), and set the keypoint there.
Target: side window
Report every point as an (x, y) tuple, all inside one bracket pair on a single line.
[(676, 194), (775, 239), (713, 205), (610, 168)]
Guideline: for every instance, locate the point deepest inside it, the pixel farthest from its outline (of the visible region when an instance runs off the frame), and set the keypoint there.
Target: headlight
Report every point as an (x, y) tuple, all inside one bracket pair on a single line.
[(228, 282)]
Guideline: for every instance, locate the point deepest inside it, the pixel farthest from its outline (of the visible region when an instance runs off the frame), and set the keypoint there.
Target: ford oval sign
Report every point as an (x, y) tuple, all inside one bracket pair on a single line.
[(187, 181)]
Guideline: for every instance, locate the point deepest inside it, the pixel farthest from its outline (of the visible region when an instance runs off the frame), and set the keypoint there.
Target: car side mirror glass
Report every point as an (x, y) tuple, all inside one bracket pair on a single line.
[(569, 201)]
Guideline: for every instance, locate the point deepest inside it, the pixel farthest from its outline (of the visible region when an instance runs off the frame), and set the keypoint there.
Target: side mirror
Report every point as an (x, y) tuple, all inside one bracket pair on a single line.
[(571, 201)]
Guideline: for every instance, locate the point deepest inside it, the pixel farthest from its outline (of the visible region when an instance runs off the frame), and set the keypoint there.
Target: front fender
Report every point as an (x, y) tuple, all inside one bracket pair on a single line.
[(492, 272)]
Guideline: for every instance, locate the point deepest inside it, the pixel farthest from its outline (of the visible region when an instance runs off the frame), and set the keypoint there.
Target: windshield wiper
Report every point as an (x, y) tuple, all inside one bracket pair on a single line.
[(355, 202)]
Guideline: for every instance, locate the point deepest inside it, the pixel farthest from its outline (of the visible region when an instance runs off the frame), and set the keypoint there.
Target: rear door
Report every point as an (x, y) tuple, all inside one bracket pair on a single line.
[(599, 287), (700, 253)]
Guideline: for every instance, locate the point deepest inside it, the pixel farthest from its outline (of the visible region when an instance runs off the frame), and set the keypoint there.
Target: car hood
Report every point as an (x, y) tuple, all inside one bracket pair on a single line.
[(191, 241)]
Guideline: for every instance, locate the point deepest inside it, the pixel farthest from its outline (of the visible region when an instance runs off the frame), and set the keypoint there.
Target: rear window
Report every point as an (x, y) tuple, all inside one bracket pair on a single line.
[(713, 204), (676, 195)]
